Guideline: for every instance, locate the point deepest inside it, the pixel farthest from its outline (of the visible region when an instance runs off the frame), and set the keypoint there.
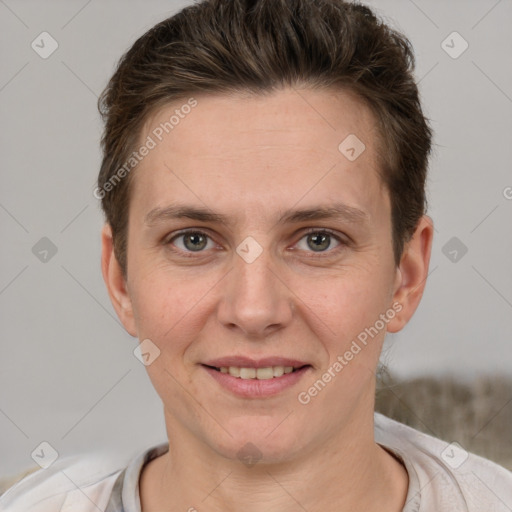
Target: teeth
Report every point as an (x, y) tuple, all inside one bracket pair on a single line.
[(247, 373), (257, 373), (265, 373), (234, 371), (278, 371)]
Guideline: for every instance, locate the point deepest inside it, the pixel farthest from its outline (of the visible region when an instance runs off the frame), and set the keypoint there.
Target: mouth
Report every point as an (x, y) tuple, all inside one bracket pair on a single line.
[(257, 381), (251, 373)]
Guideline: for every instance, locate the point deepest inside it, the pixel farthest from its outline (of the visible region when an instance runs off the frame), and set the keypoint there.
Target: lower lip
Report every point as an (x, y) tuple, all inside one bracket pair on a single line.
[(254, 388)]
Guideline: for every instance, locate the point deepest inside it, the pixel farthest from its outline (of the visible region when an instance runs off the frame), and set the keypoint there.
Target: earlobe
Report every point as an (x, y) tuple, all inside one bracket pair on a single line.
[(115, 281), (412, 273)]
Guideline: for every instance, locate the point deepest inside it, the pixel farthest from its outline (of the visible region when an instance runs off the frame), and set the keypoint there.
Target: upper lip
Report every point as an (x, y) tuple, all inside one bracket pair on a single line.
[(247, 362)]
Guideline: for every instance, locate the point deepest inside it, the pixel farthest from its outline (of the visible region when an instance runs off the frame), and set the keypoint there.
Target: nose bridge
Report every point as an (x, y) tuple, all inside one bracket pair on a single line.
[(255, 300)]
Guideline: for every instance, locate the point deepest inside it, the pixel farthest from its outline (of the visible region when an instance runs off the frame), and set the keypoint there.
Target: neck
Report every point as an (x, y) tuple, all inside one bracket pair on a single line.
[(347, 471)]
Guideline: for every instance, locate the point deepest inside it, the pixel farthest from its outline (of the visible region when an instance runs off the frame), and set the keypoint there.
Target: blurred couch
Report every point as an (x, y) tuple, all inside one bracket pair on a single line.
[(477, 414)]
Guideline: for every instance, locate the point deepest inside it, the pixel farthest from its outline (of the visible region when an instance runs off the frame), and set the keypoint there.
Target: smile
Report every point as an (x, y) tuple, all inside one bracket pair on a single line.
[(250, 382), (269, 372)]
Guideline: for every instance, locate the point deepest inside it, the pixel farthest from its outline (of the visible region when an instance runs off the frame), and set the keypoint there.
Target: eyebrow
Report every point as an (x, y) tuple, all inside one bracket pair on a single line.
[(337, 211)]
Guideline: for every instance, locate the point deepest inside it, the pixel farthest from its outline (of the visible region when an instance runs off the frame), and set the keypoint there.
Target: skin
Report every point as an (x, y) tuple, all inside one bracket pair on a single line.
[(250, 159)]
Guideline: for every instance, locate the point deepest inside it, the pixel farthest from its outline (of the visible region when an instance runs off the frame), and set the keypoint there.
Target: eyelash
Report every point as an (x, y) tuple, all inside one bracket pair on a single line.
[(191, 254)]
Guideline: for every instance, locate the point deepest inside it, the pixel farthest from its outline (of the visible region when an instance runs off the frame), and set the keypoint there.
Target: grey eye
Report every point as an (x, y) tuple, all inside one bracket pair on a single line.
[(319, 241), (193, 241)]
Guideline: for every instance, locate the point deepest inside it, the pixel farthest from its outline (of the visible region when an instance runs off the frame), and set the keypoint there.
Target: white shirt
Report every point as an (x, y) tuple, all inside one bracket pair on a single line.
[(442, 478)]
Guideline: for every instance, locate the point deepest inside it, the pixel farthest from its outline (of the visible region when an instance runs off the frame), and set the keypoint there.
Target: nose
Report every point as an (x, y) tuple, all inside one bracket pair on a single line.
[(255, 299)]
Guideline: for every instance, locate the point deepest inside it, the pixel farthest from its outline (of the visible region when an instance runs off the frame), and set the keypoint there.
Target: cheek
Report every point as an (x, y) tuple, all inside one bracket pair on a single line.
[(346, 302), (346, 312), (170, 313), (169, 307)]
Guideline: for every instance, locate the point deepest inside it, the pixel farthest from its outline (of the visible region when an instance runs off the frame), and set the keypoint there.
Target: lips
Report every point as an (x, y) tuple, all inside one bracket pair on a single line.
[(256, 378), (246, 362), (242, 382)]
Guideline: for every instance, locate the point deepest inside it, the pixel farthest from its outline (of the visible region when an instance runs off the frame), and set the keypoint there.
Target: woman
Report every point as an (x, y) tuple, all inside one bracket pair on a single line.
[(263, 183)]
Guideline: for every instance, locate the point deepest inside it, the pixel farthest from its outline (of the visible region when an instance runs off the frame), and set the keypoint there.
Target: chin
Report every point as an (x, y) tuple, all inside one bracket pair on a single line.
[(258, 443)]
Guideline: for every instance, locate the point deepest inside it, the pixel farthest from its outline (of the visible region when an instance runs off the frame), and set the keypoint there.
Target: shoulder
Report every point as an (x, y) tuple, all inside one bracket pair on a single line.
[(445, 475), (78, 484)]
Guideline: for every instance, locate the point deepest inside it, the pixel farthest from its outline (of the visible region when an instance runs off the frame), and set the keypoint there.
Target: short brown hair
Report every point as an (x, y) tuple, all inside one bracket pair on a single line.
[(223, 46)]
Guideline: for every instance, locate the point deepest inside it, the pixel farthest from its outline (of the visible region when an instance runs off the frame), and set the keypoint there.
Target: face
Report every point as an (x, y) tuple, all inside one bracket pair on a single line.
[(252, 235)]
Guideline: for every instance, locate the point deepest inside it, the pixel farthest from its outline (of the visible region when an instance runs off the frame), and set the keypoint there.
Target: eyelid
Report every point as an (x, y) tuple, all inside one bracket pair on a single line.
[(175, 234), (339, 236)]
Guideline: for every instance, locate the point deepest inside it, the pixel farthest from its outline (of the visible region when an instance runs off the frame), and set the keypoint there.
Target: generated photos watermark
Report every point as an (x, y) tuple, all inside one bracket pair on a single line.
[(151, 142), (357, 345)]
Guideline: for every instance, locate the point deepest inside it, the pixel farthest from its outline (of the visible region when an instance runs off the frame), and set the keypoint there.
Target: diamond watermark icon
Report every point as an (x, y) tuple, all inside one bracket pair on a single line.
[(351, 147), (44, 454), (454, 455), (249, 454), (249, 250), (44, 250), (44, 45), (454, 250), (146, 352), (454, 45)]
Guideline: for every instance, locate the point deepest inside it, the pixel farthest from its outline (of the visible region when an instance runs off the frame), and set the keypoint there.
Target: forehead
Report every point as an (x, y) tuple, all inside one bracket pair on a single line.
[(253, 151), (321, 115)]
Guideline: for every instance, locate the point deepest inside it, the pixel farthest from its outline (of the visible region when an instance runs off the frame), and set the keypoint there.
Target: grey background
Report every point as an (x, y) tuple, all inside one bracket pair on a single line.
[(68, 375)]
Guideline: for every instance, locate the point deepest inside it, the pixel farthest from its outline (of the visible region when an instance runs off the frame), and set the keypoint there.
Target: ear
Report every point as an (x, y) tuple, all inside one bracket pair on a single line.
[(412, 274), (115, 281)]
